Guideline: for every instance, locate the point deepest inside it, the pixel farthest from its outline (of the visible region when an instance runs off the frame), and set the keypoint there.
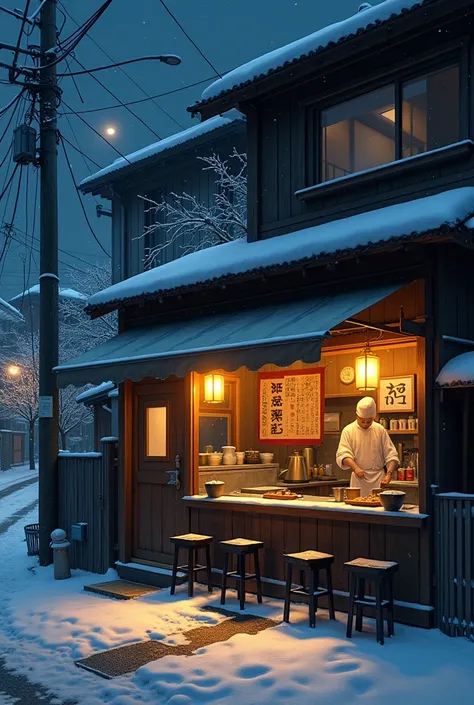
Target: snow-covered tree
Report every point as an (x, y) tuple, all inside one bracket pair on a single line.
[(196, 224), (78, 333), (19, 381)]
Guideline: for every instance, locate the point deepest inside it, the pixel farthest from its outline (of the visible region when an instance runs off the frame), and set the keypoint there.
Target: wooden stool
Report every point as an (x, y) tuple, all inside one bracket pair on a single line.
[(381, 572), (314, 561), (192, 542), (241, 548)]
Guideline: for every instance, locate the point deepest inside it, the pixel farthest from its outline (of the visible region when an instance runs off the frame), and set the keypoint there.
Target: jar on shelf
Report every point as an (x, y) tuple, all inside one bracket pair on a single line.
[(394, 424), (401, 474), (383, 422), (402, 424), (411, 423)]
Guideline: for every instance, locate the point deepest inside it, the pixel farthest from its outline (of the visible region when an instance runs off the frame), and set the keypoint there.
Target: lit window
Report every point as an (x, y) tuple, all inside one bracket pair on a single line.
[(156, 431)]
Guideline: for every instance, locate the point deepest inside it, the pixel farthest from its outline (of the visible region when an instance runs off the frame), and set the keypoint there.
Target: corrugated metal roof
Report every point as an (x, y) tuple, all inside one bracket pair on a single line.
[(277, 333)]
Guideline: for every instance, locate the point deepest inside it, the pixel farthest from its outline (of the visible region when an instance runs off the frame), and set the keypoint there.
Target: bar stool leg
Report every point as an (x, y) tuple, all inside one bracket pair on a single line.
[(332, 614), (286, 609), (208, 566), (175, 569), (258, 576), (242, 582), (350, 611), (360, 608), (190, 572), (316, 587), (379, 611), (312, 598), (391, 631), (224, 577)]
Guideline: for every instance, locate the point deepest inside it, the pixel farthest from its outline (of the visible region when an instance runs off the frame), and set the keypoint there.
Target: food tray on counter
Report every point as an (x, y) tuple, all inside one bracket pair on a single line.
[(275, 495), (364, 502)]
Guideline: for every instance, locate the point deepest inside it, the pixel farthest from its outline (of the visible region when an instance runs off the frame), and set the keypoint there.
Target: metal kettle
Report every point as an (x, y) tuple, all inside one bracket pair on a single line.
[(297, 470)]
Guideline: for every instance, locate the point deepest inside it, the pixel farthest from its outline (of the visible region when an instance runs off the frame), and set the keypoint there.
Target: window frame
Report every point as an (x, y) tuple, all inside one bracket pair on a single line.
[(230, 409), (456, 54)]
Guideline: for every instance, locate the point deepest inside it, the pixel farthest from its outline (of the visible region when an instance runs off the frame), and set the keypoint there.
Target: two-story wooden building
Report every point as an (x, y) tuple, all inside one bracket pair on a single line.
[(171, 166), (359, 258)]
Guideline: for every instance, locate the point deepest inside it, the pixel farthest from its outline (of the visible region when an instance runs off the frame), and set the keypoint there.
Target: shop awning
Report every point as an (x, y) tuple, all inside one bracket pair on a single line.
[(280, 334), (458, 372)]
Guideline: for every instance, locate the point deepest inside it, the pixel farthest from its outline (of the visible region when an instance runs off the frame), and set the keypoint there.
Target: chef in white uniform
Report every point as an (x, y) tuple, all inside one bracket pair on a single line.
[(366, 448)]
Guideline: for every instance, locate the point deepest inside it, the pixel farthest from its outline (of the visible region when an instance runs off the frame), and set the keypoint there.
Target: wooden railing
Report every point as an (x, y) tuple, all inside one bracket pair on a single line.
[(455, 563), (88, 493)]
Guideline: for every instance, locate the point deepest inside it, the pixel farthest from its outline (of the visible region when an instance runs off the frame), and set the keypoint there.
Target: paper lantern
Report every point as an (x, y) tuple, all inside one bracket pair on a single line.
[(367, 368), (214, 389)]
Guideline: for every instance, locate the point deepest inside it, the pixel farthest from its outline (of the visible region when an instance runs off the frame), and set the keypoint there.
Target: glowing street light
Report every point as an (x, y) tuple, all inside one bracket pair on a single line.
[(13, 370)]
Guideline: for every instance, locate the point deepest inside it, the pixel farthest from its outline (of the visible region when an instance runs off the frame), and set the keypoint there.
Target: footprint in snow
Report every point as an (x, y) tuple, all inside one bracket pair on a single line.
[(252, 671), (342, 666), (361, 684), (339, 652)]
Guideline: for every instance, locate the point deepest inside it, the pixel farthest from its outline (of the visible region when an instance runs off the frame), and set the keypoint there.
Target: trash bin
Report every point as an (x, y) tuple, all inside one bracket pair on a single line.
[(32, 539)]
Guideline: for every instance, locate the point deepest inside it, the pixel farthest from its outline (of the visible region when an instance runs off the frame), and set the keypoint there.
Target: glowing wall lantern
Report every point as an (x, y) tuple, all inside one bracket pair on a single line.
[(367, 368), (13, 370), (214, 389)]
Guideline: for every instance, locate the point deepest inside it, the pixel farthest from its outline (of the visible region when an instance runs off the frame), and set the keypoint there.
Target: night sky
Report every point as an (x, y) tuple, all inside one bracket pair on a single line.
[(228, 32)]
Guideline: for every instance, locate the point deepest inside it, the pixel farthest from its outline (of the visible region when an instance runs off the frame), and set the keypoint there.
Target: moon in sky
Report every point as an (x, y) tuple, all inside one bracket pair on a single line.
[(110, 131)]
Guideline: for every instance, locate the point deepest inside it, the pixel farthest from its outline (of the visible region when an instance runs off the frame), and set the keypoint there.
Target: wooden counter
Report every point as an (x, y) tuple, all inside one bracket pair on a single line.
[(316, 522)]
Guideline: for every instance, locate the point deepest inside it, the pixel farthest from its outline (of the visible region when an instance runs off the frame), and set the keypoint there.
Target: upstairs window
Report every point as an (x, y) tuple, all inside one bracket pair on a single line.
[(375, 129)]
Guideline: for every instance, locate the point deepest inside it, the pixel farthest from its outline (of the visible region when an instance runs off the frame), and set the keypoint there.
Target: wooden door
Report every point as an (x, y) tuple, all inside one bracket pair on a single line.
[(17, 449), (158, 446)]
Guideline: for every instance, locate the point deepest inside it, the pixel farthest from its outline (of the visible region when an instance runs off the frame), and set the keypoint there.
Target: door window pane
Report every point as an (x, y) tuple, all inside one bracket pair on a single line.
[(430, 115), (156, 431), (214, 431), (358, 134)]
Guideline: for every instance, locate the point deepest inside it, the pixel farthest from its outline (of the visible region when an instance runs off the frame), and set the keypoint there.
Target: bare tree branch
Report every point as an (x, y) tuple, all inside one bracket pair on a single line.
[(196, 225)]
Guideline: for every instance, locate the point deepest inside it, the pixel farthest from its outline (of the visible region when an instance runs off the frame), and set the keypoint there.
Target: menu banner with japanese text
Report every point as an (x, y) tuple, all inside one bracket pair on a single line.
[(291, 406)]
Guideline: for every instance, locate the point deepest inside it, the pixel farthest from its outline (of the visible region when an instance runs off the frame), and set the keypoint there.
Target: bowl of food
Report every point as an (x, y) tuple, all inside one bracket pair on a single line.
[(214, 488), (266, 458), (392, 500)]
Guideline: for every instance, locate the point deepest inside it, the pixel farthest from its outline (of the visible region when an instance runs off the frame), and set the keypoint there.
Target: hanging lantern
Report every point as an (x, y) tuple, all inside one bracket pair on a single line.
[(367, 367), (214, 389)]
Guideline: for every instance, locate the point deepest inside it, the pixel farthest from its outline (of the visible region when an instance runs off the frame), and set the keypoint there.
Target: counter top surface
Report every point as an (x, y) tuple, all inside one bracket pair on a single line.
[(260, 489), (306, 502)]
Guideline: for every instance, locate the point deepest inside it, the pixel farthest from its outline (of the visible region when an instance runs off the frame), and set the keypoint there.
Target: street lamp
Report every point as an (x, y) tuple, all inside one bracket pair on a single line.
[(13, 370), (170, 59)]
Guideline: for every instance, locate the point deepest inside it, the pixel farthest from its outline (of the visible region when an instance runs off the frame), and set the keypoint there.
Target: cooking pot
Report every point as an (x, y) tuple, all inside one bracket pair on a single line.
[(296, 470)]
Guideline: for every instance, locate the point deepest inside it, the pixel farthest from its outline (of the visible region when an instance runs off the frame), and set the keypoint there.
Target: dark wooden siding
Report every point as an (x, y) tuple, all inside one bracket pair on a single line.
[(178, 174), (288, 142)]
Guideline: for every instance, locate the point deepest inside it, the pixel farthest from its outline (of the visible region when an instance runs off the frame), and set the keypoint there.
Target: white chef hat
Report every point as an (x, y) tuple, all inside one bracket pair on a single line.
[(366, 408)]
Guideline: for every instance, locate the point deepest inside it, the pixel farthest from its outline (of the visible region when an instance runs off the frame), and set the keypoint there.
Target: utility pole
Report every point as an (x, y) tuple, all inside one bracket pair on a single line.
[(49, 284)]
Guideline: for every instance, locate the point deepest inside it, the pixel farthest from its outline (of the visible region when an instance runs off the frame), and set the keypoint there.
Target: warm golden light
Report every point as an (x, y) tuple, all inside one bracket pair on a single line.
[(13, 370), (214, 389), (389, 114), (110, 131), (367, 368)]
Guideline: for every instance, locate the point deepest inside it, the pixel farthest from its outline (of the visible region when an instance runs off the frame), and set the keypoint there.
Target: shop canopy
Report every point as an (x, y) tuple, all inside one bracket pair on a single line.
[(458, 372), (280, 334)]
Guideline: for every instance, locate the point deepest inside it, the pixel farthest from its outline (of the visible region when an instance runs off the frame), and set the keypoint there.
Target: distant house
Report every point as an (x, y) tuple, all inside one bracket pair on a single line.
[(169, 166), (28, 303)]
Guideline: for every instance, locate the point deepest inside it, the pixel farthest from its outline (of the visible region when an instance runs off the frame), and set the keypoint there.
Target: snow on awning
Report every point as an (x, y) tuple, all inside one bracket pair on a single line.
[(96, 392), (280, 334), (337, 238), (458, 372), (303, 48)]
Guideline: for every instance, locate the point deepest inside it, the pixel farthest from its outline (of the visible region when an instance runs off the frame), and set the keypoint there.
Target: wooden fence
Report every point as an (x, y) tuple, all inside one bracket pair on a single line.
[(88, 493), (455, 563)]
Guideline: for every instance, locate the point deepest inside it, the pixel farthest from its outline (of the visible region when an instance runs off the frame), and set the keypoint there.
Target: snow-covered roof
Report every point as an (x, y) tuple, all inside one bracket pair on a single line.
[(335, 239), (9, 313), (97, 391), (165, 145), (64, 292), (303, 48), (458, 372)]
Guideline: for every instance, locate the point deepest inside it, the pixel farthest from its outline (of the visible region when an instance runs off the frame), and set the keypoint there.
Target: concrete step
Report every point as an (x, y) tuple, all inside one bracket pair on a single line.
[(155, 575)]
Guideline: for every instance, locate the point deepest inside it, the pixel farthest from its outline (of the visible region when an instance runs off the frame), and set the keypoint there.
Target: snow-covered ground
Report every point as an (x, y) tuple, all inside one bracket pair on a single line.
[(45, 625), (16, 474)]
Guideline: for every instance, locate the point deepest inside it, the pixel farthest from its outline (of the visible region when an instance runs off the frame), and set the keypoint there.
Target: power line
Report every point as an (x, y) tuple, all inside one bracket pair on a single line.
[(123, 71), (97, 80), (68, 253), (77, 149), (189, 38), (140, 100), (80, 199)]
